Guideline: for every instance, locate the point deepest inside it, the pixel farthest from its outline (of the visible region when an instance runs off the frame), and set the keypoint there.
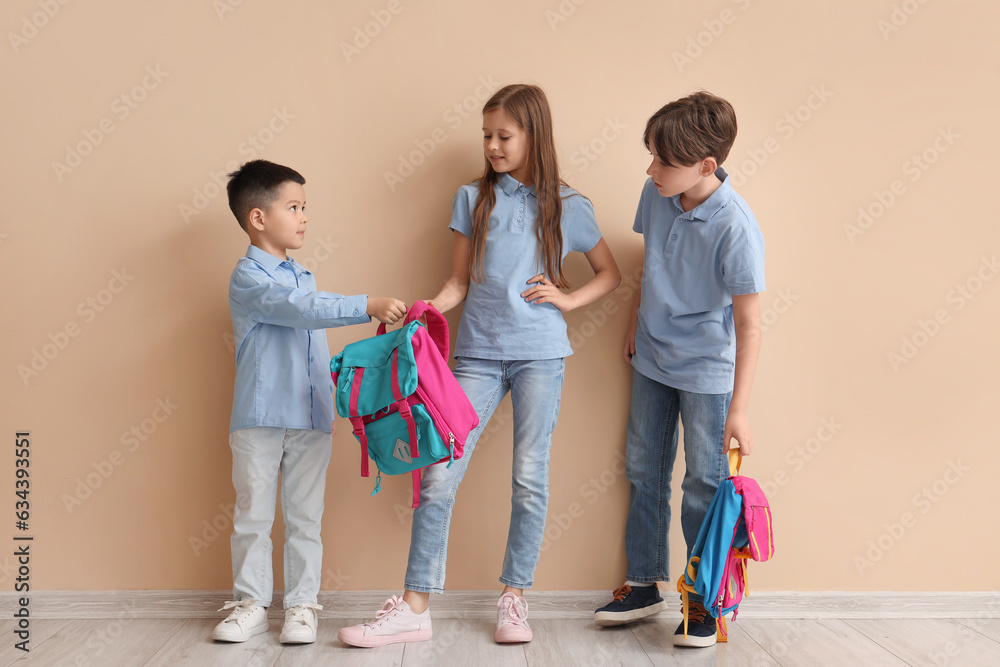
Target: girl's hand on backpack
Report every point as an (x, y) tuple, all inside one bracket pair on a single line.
[(545, 292), (423, 318)]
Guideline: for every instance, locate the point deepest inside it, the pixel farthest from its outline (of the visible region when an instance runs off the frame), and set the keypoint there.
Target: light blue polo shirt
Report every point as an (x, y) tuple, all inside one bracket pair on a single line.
[(695, 262), (497, 323)]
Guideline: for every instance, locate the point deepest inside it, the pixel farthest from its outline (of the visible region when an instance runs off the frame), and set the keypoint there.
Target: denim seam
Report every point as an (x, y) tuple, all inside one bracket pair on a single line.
[(422, 589), (665, 444), (558, 402), (289, 566), (515, 584), (443, 545), (266, 563), (553, 421)]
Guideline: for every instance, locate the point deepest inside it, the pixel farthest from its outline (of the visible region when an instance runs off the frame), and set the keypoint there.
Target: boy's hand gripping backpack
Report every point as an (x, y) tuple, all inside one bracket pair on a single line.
[(405, 405), (737, 527)]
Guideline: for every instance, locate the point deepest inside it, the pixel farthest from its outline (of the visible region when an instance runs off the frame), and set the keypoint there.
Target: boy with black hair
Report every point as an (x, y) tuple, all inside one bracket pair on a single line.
[(283, 403)]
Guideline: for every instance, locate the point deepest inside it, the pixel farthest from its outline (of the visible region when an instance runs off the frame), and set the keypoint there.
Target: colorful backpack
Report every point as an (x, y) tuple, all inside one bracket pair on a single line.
[(737, 527), (405, 405)]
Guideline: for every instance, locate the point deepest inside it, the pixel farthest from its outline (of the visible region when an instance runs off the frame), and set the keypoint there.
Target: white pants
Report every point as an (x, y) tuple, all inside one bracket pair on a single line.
[(301, 457)]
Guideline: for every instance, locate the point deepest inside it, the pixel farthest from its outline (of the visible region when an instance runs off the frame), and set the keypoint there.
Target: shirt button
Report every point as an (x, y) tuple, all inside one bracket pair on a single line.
[(356, 313), (673, 237)]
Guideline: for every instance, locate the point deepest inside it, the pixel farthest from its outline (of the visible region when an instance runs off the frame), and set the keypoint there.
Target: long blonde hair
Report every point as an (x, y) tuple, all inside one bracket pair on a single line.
[(528, 107)]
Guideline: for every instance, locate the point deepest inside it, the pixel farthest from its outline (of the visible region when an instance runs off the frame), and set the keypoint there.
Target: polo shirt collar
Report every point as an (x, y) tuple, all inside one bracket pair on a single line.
[(267, 260), (509, 185), (716, 201)]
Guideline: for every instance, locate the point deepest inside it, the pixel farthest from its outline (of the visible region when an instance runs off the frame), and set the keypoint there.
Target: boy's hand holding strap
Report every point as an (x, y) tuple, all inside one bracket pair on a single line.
[(437, 325)]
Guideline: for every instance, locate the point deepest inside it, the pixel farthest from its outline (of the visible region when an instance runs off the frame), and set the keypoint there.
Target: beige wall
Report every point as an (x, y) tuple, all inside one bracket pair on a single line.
[(116, 266)]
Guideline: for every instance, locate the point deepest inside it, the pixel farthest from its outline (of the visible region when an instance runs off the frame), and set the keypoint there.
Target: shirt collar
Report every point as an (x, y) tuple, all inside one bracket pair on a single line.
[(509, 184), (716, 201), (269, 261)]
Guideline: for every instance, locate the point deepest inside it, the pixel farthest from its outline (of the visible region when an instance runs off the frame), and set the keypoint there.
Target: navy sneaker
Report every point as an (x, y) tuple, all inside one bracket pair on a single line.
[(629, 605), (701, 630)]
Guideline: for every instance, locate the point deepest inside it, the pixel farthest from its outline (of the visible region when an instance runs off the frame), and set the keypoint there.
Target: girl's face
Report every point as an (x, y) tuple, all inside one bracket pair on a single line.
[(506, 145)]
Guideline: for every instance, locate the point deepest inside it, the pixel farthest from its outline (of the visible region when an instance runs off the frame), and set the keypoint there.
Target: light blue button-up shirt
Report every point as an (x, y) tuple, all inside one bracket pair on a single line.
[(694, 262), (496, 322), (282, 358)]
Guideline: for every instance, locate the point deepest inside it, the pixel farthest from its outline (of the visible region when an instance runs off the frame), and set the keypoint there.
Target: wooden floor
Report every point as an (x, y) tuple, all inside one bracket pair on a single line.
[(173, 642)]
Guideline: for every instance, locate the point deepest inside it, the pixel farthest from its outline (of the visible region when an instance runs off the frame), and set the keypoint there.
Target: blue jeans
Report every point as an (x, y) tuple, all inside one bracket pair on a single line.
[(259, 455), (650, 450), (535, 388)]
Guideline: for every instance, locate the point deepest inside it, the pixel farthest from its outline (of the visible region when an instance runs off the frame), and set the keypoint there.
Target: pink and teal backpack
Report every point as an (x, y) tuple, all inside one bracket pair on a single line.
[(737, 527), (406, 408)]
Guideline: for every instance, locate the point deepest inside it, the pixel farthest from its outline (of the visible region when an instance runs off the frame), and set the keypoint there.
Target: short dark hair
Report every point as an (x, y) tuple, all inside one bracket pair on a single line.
[(691, 129), (256, 185)]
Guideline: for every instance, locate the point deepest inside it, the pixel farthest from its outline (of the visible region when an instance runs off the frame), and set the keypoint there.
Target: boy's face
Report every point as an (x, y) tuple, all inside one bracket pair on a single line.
[(673, 180), (506, 145), (282, 226)]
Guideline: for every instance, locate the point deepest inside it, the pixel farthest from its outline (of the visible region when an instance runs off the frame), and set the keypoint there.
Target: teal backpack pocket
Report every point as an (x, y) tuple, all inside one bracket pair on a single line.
[(374, 355), (392, 428)]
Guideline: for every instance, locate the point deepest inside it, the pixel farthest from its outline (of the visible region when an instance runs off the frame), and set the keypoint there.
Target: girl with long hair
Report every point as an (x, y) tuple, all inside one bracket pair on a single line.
[(512, 229)]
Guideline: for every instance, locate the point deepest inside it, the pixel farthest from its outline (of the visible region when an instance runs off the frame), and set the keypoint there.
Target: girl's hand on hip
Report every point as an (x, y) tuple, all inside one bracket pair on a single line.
[(544, 291)]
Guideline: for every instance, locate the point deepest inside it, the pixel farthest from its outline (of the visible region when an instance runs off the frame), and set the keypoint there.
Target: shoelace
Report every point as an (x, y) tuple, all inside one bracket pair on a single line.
[(392, 605), (622, 592), (240, 606), (299, 611), (515, 610), (696, 611)]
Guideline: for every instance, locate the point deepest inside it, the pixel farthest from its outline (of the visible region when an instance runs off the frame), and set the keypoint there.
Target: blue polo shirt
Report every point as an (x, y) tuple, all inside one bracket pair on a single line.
[(282, 358), (694, 262), (496, 322)]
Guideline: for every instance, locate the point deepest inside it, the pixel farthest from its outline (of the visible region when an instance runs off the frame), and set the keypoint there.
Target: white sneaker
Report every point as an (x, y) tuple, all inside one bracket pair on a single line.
[(512, 620), (300, 624), (246, 620), (395, 622)]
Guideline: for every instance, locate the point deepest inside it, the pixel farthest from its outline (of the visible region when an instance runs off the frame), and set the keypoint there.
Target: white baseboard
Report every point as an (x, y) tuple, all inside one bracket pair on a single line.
[(544, 604)]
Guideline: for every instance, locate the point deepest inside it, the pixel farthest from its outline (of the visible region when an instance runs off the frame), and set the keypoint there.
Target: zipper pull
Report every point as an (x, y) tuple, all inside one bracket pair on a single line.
[(348, 381)]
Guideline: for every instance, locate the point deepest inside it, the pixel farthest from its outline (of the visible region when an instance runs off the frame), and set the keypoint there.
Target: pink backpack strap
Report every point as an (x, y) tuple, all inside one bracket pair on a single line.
[(437, 326), (359, 426), (403, 406)]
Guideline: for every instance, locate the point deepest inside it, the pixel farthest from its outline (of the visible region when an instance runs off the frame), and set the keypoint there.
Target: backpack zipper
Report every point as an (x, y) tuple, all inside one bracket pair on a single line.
[(350, 379), (435, 414)]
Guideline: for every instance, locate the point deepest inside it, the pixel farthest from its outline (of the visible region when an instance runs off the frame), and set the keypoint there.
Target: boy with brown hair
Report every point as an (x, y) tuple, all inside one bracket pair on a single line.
[(693, 343)]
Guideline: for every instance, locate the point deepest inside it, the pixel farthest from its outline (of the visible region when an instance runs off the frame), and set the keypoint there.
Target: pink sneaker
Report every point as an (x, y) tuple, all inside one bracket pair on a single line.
[(395, 622), (512, 620)]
